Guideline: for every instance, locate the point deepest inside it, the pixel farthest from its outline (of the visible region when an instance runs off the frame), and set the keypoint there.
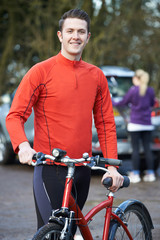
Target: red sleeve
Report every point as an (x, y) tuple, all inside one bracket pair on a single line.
[(21, 108), (104, 120)]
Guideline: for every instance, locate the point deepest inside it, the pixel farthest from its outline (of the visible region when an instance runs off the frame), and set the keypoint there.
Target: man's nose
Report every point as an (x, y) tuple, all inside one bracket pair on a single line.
[(75, 35)]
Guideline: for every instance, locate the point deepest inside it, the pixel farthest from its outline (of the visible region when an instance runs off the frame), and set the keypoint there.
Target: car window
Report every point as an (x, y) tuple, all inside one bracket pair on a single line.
[(118, 86)]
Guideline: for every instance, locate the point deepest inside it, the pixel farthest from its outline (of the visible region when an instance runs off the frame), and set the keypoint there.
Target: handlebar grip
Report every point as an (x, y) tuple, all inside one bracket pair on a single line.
[(114, 162), (126, 181), (107, 182), (108, 161)]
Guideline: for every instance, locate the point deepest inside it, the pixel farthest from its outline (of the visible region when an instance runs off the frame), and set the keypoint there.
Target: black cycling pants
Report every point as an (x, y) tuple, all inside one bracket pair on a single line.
[(145, 138), (48, 186)]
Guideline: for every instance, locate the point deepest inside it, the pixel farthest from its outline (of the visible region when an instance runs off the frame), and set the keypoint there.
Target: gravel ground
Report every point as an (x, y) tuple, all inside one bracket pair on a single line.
[(17, 212)]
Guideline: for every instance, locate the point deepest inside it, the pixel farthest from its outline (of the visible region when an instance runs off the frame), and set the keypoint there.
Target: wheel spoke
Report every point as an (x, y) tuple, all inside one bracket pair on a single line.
[(137, 222)]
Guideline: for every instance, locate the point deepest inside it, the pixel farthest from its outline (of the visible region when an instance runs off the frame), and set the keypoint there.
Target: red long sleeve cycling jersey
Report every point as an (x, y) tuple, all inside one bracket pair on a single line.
[(64, 94)]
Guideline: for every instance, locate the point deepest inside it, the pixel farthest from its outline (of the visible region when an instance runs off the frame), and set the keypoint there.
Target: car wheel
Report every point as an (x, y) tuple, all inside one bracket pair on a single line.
[(7, 156)]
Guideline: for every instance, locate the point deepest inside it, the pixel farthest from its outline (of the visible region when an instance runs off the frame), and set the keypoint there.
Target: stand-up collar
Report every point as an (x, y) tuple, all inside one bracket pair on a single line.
[(61, 59)]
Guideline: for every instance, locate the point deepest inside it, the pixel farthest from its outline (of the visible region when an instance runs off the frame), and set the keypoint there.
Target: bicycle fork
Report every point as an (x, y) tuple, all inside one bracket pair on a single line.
[(66, 231)]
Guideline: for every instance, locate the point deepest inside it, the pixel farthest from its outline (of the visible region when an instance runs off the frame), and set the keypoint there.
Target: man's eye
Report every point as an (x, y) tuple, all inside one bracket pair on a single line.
[(69, 31), (82, 31)]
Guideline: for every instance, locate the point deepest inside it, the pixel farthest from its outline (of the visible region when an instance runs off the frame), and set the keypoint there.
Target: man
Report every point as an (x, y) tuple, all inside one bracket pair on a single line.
[(64, 91)]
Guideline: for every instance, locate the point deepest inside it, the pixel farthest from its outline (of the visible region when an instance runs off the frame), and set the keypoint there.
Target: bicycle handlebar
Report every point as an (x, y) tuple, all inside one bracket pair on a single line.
[(91, 162), (60, 158)]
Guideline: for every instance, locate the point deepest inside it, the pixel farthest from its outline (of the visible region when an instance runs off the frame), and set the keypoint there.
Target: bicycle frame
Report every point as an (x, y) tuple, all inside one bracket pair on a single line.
[(82, 221)]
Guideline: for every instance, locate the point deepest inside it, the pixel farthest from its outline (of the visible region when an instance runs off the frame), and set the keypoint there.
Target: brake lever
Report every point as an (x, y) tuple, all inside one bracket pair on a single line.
[(39, 157), (91, 164)]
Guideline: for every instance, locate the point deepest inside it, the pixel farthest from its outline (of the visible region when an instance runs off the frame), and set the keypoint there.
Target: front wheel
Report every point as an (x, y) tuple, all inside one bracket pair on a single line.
[(50, 231), (137, 222)]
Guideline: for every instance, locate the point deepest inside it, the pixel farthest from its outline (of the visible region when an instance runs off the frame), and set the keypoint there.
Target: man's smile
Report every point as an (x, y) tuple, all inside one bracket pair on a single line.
[(75, 43)]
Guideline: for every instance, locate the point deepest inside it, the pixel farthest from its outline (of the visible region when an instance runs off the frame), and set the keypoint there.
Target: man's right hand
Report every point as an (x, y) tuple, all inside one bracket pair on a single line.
[(25, 153)]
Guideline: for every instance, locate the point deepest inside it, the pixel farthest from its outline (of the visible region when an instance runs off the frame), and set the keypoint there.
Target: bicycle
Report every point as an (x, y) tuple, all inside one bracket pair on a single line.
[(131, 219)]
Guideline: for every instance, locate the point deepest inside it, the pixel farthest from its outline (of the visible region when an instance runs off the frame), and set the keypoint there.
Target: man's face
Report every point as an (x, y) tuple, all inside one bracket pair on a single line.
[(73, 38)]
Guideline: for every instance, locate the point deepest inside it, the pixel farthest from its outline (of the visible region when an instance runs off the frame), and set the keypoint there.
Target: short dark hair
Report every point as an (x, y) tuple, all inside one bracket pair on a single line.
[(75, 13)]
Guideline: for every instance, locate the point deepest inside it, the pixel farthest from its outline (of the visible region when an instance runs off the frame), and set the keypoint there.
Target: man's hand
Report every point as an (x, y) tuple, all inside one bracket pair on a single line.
[(117, 178), (25, 153)]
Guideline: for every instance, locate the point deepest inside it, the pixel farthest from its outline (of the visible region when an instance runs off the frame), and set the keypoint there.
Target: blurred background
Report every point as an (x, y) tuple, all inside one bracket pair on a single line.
[(124, 33)]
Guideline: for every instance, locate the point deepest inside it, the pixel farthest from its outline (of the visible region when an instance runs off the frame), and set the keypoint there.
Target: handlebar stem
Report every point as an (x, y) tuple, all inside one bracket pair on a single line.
[(71, 170)]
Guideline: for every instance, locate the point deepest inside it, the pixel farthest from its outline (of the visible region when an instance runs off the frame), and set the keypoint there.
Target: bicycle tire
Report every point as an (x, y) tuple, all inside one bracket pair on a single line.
[(138, 225), (50, 231)]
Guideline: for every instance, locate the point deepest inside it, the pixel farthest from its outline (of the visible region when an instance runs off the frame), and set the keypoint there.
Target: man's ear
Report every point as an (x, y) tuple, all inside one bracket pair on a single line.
[(59, 34), (88, 37)]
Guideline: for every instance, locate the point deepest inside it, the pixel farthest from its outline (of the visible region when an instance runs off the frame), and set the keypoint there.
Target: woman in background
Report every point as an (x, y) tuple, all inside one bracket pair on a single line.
[(140, 99)]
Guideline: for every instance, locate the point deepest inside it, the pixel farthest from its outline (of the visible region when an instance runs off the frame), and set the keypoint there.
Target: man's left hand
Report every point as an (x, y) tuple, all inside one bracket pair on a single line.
[(116, 177)]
